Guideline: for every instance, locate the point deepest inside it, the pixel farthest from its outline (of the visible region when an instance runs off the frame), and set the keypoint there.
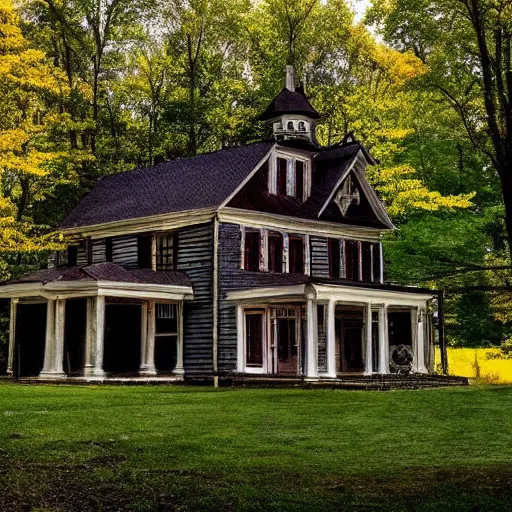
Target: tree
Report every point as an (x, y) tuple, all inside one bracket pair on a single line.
[(467, 46), (29, 167)]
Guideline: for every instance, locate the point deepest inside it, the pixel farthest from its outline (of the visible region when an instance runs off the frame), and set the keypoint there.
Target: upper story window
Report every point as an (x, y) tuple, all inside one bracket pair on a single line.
[(166, 252), (335, 263), (296, 254), (302, 126), (275, 252), (352, 260), (252, 250), (144, 245), (358, 261), (289, 176)]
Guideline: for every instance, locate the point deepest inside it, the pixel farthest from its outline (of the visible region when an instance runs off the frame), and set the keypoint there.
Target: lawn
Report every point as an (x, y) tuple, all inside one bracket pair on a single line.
[(162, 449)]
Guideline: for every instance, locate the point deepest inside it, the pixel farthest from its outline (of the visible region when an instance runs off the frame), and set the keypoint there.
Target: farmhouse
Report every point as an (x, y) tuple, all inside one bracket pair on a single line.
[(263, 260)]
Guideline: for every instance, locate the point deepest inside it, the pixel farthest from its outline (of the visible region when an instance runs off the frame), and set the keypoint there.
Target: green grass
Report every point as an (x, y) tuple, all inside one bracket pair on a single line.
[(181, 448)]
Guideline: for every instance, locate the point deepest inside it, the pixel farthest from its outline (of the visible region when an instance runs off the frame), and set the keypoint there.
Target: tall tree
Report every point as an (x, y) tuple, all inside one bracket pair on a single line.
[(467, 46)]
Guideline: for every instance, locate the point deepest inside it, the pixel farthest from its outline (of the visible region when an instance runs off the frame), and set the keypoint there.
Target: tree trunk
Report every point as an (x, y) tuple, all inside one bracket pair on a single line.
[(506, 185)]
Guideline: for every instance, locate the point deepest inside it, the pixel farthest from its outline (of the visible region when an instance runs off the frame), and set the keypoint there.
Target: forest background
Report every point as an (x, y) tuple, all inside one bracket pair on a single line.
[(94, 87)]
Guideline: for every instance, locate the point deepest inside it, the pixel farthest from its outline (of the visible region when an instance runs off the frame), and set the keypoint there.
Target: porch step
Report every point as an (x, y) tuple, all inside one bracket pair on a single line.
[(367, 382)]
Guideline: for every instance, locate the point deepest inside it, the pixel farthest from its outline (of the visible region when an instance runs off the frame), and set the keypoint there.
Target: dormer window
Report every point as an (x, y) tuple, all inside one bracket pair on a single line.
[(289, 176)]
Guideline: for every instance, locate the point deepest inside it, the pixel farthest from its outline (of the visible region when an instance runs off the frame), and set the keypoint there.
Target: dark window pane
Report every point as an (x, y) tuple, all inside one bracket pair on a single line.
[(275, 252), (165, 252), (296, 256), (376, 263), (282, 165), (254, 339), (351, 260), (299, 179), (72, 255), (252, 250), (334, 257), (108, 249), (367, 261), (144, 251)]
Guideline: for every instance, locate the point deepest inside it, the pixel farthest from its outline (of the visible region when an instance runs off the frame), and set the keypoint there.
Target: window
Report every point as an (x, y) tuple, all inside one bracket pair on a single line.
[(376, 262), (166, 336), (254, 321), (144, 243), (108, 249), (352, 260), (299, 179), (282, 174), (334, 258), (367, 261), (290, 125), (302, 126), (165, 252), (72, 255), (275, 252), (296, 252), (252, 250)]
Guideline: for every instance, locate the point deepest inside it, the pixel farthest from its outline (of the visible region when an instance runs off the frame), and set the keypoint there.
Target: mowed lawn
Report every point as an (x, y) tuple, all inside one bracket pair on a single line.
[(143, 448)]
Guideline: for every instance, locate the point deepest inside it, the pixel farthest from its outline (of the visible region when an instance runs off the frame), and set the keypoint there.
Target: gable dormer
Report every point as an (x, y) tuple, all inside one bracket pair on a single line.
[(289, 174), (290, 113)]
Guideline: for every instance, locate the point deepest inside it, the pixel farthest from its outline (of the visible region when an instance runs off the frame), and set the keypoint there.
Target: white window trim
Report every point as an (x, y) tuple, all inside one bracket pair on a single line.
[(242, 345), (290, 174)]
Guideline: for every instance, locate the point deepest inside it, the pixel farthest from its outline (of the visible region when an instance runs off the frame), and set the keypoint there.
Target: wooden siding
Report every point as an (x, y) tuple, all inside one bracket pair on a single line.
[(81, 257), (195, 258), (124, 251), (230, 239), (319, 256), (99, 254)]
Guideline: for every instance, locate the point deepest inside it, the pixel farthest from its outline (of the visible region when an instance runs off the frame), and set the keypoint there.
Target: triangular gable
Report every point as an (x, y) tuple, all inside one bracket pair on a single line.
[(353, 196)]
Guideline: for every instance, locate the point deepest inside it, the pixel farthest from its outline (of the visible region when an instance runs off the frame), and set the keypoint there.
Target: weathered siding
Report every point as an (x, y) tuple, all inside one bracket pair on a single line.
[(99, 254), (229, 262), (319, 256), (195, 258), (124, 251), (81, 257)]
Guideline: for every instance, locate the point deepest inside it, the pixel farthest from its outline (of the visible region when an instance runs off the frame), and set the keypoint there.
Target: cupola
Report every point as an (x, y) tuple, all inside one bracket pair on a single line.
[(291, 114)]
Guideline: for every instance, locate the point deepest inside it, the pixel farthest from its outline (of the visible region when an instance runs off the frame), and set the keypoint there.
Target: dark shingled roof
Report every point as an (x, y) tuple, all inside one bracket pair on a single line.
[(105, 272), (204, 181), (289, 102)]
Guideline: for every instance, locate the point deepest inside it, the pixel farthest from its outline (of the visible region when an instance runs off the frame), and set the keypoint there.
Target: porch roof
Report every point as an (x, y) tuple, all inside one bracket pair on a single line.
[(258, 285), (99, 279)]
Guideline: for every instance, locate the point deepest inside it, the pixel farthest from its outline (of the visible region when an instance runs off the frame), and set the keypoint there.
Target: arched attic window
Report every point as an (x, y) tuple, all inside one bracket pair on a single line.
[(290, 125), (302, 126)]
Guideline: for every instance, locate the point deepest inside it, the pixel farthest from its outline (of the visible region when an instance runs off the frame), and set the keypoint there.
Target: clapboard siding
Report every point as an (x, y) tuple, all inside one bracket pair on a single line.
[(195, 258), (124, 251), (229, 261), (319, 256), (99, 251), (81, 256)]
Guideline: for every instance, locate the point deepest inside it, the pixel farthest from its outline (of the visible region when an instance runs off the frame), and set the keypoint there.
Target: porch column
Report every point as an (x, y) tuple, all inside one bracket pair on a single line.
[(179, 369), (331, 339), (94, 337), (368, 368), (12, 336), (383, 340), (420, 342), (54, 342), (311, 345), (147, 363)]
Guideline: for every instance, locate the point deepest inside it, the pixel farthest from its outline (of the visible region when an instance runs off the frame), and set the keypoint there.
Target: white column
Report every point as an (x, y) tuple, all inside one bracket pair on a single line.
[(383, 340), (147, 366), (368, 332), (331, 339), (94, 339), (311, 345), (180, 369), (12, 336), (54, 341), (420, 342)]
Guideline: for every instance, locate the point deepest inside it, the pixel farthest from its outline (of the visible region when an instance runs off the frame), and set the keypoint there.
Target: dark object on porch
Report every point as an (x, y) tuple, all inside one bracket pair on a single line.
[(74, 336)]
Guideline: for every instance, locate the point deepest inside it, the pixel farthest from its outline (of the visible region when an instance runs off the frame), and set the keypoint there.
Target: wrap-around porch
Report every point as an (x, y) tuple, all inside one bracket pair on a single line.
[(323, 331), (96, 323)]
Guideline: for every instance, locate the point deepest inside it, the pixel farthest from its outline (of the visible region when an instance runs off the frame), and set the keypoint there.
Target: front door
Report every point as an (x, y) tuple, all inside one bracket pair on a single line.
[(349, 340), (286, 336)]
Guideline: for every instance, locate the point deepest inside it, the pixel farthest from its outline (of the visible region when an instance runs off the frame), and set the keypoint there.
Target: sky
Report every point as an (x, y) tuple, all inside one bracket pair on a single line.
[(359, 7)]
